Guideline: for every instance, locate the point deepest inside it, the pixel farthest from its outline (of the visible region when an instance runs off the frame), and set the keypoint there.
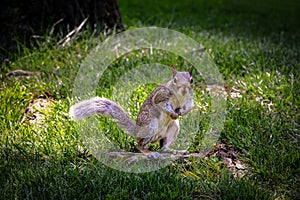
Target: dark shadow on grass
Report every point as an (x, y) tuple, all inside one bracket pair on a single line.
[(223, 25), (253, 19)]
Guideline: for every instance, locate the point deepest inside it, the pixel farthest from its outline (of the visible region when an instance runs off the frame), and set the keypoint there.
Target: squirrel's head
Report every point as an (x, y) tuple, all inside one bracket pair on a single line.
[(182, 81)]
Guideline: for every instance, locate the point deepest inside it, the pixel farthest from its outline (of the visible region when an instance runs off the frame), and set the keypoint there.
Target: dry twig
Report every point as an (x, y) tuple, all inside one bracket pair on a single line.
[(66, 40)]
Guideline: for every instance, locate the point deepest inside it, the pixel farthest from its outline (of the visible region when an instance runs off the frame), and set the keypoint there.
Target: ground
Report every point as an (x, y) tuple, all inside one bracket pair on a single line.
[(254, 45)]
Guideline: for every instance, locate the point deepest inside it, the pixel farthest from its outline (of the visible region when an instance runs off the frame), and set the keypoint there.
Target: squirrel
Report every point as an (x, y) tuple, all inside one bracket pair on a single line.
[(157, 120)]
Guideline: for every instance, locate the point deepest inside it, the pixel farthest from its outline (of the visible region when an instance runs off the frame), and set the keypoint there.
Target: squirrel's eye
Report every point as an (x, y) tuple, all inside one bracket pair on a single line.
[(174, 80), (191, 80)]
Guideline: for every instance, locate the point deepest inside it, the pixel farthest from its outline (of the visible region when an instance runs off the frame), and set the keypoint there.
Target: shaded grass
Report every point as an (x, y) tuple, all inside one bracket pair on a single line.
[(257, 57)]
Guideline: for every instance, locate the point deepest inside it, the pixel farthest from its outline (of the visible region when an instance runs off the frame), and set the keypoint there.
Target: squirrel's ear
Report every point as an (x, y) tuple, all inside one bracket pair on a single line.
[(174, 71), (191, 70)]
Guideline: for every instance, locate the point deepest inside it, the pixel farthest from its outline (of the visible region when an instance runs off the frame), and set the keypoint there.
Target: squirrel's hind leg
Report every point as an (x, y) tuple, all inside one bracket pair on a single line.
[(145, 151), (171, 134)]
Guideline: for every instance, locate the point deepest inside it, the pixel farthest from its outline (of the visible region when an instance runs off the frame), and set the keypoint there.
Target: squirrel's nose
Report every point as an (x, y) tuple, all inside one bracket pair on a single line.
[(184, 90)]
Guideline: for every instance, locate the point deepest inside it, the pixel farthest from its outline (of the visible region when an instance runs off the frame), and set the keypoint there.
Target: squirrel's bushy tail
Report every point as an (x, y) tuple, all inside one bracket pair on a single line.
[(105, 107)]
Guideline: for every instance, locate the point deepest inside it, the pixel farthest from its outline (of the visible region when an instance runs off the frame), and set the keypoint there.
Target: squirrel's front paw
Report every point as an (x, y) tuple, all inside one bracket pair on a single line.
[(154, 155), (178, 111)]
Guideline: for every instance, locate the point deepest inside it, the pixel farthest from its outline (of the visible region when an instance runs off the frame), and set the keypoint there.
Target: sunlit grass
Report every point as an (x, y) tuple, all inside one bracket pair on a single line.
[(48, 160)]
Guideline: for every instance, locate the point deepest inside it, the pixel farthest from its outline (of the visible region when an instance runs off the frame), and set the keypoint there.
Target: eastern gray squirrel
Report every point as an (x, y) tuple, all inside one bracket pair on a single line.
[(157, 120)]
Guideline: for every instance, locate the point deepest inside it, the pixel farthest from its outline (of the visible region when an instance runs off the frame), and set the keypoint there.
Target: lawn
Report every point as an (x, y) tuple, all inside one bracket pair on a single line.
[(256, 48)]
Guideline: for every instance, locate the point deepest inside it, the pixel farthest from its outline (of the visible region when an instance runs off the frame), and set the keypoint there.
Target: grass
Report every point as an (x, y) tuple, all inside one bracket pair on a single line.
[(255, 47)]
